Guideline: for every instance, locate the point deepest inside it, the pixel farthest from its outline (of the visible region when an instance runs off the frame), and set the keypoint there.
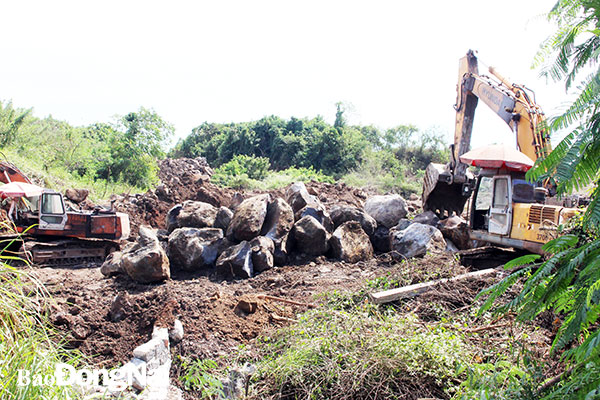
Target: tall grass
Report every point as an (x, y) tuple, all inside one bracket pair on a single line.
[(27, 342)]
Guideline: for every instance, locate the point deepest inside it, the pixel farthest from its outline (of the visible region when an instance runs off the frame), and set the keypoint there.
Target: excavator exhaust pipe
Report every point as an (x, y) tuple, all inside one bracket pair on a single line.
[(443, 196)]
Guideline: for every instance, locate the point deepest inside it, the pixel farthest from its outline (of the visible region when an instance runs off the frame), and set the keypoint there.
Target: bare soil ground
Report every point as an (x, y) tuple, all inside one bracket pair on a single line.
[(215, 325)]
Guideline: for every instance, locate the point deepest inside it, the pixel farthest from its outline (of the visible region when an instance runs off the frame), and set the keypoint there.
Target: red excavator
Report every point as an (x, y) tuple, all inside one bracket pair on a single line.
[(53, 232)]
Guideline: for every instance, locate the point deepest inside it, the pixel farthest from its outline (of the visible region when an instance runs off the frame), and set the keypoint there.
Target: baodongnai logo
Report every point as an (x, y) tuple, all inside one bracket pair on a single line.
[(66, 375)]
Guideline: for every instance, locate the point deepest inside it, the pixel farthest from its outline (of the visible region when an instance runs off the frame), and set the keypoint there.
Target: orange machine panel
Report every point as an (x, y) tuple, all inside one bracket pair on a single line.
[(103, 224)]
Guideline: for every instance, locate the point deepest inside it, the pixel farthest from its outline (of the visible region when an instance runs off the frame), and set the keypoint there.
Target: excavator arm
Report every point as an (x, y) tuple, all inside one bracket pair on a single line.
[(10, 173), (446, 188)]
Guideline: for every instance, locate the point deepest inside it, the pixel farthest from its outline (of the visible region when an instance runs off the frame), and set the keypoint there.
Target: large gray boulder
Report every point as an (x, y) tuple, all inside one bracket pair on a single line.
[(298, 196), (113, 264), (417, 240), (339, 215), (386, 210), (236, 261), (248, 218), (427, 218), (223, 219), (318, 211), (350, 243), (193, 214), (456, 229), (192, 248), (146, 261), (279, 220), (262, 253), (310, 237)]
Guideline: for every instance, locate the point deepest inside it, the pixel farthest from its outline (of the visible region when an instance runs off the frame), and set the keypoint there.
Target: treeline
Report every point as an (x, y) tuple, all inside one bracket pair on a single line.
[(121, 154), (335, 150)]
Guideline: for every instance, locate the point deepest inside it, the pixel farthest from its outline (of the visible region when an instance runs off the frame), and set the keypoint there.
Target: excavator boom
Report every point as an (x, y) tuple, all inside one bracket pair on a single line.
[(447, 187)]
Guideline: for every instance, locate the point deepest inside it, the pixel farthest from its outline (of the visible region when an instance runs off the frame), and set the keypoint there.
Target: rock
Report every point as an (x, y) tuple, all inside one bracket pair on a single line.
[(248, 218), (339, 215), (236, 200), (413, 197), (194, 214), (417, 240), (310, 237), (113, 264), (381, 239), (402, 224), (77, 195), (298, 197), (451, 247), (427, 218), (262, 253), (192, 248), (236, 261), (223, 219), (279, 220), (176, 332), (318, 211), (146, 261), (119, 307), (79, 329), (282, 249), (234, 387), (162, 192), (456, 229), (350, 243), (386, 210), (247, 304)]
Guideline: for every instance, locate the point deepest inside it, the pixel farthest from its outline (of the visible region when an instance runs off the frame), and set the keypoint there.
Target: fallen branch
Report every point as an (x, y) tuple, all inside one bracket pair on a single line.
[(419, 288), (485, 328), (283, 319), (282, 300)]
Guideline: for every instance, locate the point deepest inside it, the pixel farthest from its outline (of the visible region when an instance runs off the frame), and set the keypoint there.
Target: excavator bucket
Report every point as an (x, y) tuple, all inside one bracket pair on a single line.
[(441, 195)]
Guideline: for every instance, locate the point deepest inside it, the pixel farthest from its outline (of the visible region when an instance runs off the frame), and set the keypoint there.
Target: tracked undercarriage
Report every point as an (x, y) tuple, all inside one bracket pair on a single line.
[(68, 251), (57, 252)]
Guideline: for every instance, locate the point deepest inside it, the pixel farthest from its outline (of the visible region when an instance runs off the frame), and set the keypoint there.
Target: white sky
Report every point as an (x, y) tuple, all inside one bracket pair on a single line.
[(232, 61)]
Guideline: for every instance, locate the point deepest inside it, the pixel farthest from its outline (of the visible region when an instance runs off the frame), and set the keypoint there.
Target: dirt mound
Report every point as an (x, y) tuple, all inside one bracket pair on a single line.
[(189, 179), (181, 179)]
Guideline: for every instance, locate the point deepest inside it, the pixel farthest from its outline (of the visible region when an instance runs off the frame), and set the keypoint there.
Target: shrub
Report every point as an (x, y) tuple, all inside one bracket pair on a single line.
[(358, 354)]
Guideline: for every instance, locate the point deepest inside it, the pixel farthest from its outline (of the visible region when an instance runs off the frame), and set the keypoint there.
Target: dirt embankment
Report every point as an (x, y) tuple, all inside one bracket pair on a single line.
[(189, 179)]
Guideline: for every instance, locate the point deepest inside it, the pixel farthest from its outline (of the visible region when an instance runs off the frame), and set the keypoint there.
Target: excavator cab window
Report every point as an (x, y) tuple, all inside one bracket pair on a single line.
[(52, 210), (523, 191), (501, 193), (483, 202)]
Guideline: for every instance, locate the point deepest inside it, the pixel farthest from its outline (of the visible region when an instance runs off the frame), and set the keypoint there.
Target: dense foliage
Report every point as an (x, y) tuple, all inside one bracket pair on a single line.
[(568, 282), (124, 151), (360, 155)]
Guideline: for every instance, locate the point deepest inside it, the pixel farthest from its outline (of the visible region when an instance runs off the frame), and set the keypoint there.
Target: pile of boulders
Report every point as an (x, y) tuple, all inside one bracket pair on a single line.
[(263, 231)]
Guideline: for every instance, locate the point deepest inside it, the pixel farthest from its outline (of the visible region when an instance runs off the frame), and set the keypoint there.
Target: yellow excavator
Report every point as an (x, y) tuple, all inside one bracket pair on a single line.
[(504, 208)]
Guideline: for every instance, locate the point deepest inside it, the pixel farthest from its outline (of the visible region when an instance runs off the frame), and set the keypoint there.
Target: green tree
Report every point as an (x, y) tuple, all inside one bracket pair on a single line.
[(340, 121), (568, 282), (11, 120), (134, 144)]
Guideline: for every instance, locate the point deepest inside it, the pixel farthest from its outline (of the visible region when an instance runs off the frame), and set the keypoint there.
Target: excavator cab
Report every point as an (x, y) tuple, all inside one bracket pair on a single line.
[(52, 211), (494, 197)]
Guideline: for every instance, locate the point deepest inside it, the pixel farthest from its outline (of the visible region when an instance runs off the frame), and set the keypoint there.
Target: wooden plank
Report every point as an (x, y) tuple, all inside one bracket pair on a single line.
[(418, 288)]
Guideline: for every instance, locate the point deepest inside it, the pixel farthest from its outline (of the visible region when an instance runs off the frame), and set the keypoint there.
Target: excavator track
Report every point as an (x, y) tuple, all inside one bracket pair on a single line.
[(68, 252)]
